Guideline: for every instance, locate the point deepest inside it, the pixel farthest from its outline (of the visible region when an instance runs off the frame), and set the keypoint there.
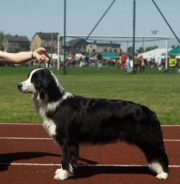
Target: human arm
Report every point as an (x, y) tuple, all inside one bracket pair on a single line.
[(23, 57)]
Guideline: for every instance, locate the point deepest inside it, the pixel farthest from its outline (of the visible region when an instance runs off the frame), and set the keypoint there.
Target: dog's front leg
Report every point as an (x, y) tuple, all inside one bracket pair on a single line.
[(74, 155), (70, 154), (63, 173)]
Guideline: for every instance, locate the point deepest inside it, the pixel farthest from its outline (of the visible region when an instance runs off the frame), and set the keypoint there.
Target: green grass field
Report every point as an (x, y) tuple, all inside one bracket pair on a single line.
[(155, 89)]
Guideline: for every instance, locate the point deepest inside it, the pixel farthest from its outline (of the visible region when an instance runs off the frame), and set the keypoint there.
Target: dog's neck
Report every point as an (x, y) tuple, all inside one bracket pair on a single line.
[(44, 107)]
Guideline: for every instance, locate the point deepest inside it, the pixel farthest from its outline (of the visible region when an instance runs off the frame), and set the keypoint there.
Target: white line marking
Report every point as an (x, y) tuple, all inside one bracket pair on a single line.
[(170, 125), (85, 165), (171, 140), (24, 138), (30, 164), (42, 138), (21, 124)]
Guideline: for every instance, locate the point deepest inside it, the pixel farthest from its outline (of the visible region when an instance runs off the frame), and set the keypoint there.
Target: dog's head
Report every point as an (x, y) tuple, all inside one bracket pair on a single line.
[(42, 83)]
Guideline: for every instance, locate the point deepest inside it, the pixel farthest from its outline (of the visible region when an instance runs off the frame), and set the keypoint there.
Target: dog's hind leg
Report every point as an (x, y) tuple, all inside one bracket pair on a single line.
[(69, 158), (159, 163), (158, 159)]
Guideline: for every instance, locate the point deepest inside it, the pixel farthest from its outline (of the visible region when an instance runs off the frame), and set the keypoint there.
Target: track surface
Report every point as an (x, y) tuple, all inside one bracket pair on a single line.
[(29, 156)]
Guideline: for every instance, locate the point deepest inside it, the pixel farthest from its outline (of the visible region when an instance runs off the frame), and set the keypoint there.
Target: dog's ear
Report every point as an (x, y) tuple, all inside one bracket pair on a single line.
[(48, 80), (42, 94)]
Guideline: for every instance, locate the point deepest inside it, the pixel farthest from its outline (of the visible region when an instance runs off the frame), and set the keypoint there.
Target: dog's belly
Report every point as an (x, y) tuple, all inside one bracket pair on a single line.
[(100, 137)]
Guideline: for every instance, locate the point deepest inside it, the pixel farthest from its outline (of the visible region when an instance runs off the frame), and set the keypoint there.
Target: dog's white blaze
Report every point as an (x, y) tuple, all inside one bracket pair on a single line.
[(156, 167), (27, 86)]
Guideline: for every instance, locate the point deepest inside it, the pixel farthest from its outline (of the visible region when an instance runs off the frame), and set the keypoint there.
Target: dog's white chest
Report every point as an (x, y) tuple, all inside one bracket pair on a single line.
[(50, 127)]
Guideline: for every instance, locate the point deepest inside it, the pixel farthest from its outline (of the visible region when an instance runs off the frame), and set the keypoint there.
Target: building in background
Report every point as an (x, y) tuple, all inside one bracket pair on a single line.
[(46, 40), (76, 46), (15, 43), (103, 47)]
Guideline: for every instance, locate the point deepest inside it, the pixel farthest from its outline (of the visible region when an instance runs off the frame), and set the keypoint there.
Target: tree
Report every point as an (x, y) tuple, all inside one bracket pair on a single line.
[(129, 51), (151, 48), (140, 50), (1, 39), (175, 46)]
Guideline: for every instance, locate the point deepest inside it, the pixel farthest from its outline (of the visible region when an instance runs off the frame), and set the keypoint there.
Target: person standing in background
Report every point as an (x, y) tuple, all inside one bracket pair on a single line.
[(123, 61), (99, 58)]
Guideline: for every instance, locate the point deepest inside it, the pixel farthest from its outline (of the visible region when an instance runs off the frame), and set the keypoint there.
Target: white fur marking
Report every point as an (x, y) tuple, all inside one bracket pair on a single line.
[(162, 176), (50, 127), (71, 169), (67, 95), (61, 174), (52, 106), (156, 167)]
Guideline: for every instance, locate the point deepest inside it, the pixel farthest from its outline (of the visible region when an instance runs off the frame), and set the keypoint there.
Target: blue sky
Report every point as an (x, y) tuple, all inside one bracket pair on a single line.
[(26, 17)]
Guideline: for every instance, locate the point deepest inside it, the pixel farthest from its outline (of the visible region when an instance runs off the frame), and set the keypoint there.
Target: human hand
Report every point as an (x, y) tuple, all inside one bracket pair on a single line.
[(41, 55)]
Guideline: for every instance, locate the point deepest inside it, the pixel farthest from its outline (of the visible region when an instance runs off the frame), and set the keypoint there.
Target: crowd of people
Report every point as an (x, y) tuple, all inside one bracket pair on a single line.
[(126, 63)]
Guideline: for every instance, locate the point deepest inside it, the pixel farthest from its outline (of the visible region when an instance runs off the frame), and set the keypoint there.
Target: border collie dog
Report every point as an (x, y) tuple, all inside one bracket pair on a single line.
[(72, 120)]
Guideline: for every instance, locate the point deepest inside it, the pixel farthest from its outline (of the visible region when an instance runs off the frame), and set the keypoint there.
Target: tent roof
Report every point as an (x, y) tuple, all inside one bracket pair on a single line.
[(154, 53), (175, 51), (109, 55)]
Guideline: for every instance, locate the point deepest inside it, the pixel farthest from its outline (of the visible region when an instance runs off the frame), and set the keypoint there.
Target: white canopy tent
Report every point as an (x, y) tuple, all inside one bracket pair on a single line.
[(155, 54)]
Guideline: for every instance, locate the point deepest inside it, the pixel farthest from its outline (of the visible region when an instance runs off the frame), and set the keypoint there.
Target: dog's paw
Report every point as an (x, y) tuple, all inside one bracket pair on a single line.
[(61, 174), (162, 176)]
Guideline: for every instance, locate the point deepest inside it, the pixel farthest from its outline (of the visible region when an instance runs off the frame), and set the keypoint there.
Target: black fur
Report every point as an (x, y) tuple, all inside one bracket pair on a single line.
[(99, 121)]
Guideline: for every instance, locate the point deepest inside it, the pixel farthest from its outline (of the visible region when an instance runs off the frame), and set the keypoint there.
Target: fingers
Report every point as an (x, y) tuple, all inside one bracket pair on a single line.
[(41, 55)]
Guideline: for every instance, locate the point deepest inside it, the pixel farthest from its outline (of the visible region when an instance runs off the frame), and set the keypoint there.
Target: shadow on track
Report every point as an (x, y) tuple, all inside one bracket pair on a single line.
[(89, 171), (7, 158)]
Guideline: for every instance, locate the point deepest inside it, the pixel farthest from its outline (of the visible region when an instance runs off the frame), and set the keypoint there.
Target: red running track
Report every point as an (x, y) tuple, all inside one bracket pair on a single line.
[(29, 156)]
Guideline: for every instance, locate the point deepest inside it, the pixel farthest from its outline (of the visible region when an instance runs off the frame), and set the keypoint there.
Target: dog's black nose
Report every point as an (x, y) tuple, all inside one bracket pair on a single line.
[(19, 86)]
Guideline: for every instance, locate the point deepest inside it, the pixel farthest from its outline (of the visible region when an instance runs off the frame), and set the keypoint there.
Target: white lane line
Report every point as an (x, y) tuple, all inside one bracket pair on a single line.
[(30, 164), (171, 140), (170, 125), (21, 124), (24, 138), (84, 165), (36, 138)]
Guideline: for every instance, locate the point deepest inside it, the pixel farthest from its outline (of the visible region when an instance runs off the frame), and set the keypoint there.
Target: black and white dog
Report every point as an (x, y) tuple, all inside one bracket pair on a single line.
[(72, 120)]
